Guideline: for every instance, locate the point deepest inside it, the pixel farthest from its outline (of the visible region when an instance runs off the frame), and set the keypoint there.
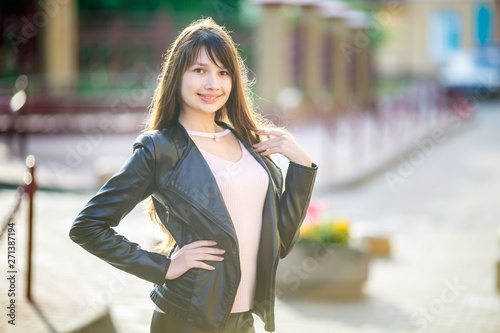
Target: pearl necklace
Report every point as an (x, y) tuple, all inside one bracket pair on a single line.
[(215, 136)]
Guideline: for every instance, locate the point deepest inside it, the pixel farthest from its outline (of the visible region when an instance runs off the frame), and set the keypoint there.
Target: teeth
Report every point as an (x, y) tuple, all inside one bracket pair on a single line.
[(209, 97)]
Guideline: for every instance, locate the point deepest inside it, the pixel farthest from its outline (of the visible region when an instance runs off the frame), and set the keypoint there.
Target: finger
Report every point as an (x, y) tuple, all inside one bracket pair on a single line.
[(200, 264), (210, 257), (214, 250), (207, 250), (199, 243), (262, 148), (282, 136), (268, 144), (271, 151), (203, 255)]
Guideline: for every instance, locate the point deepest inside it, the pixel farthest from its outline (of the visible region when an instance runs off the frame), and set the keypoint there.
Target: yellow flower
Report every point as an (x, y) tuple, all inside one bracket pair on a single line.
[(330, 230), (305, 230), (341, 224)]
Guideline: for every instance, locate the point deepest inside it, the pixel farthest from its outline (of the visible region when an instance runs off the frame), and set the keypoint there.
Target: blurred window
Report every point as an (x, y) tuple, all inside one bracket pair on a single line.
[(484, 26), (445, 34)]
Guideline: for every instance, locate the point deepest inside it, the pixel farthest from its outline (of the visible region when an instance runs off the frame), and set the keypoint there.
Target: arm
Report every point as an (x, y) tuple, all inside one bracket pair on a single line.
[(93, 230), (299, 184), (293, 203)]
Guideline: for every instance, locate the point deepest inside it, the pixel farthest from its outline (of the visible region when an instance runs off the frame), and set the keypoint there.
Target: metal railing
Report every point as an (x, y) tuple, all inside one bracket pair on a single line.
[(28, 189)]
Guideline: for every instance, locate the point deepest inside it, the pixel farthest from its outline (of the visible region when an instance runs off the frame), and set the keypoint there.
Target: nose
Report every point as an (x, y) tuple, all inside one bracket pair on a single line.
[(212, 81)]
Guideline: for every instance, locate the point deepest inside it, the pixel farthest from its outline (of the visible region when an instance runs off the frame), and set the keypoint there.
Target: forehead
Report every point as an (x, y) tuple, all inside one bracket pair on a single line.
[(203, 59)]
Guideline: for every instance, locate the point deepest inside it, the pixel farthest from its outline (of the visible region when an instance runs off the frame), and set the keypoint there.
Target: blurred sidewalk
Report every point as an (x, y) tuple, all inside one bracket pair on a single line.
[(442, 219)]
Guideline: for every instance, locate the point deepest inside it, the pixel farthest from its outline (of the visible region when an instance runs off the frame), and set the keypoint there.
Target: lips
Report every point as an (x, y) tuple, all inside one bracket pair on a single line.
[(209, 98)]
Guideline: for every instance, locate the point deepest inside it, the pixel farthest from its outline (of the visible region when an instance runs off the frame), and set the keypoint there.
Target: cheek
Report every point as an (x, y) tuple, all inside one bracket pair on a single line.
[(188, 87), (228, 86)]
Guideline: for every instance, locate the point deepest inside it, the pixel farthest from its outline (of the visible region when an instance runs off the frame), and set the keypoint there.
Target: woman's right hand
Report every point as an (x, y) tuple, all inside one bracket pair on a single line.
[(191, 255)]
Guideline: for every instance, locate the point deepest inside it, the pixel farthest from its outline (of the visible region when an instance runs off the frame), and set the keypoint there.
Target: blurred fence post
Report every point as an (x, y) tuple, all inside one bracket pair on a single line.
[(16, 106), (29, 180)]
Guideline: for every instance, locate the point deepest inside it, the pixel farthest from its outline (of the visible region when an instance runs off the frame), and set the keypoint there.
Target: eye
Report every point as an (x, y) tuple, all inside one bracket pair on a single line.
[(224, 73), (198, 70)]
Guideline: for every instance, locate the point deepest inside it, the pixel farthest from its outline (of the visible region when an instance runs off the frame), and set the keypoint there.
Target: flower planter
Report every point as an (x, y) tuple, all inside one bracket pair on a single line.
[(325, 271)]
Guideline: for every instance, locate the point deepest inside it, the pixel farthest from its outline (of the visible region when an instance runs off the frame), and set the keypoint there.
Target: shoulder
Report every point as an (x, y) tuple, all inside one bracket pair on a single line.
[(165, 145), (150, 139)]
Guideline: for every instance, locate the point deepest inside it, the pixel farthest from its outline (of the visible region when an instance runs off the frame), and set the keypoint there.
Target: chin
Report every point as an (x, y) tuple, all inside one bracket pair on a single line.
[(211, 109)]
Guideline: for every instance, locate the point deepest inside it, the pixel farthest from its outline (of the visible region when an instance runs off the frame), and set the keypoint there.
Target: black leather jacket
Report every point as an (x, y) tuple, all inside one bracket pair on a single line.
[(167, 165)]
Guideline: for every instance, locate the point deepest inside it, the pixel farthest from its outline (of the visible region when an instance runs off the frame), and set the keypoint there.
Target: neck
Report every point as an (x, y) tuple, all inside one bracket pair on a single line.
[(200, 124)]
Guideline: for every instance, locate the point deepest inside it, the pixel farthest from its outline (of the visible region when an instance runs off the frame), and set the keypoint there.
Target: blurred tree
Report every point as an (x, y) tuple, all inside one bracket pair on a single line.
[(109, 59), (378, 33), (203, 6), (20, 41)]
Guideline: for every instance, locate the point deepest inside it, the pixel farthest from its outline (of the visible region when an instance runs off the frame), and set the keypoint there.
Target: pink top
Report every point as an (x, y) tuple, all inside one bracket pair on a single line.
[(243, 185)]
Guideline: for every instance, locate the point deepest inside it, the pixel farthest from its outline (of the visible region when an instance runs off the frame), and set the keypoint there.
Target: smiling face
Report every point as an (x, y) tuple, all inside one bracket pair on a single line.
[(205, 86)]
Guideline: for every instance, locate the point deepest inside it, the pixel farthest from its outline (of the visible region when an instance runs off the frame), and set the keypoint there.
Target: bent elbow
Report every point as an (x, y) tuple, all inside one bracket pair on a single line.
[(78, 233), (73, 234)]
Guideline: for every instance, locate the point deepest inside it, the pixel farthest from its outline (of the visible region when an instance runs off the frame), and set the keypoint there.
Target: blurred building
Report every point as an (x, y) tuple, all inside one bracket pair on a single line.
[(422, 34), (313, 57)]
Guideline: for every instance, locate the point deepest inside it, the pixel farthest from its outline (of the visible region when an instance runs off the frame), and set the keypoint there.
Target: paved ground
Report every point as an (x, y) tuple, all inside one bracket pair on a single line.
[(442, 216)]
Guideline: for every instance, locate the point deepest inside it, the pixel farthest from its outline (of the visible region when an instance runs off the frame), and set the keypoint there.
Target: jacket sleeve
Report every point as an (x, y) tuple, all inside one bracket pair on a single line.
[(294, 201), (92, 228)]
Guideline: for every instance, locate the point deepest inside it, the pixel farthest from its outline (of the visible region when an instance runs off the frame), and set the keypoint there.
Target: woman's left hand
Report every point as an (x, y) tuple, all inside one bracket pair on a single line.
[(284, 143)]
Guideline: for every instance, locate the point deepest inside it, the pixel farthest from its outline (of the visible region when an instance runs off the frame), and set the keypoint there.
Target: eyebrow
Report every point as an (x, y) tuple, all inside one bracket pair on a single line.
[(204, 65)]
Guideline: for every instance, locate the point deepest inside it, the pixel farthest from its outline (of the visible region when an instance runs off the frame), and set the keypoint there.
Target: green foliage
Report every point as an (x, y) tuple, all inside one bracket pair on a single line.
[(377, 33), (200, 6), (335, 231)]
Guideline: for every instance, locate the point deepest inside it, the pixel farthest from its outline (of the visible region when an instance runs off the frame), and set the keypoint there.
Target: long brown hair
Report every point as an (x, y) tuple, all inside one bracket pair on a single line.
[(238, 111)]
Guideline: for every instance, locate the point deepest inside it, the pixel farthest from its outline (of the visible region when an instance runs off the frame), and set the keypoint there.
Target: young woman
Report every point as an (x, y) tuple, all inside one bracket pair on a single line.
[(203, 166)]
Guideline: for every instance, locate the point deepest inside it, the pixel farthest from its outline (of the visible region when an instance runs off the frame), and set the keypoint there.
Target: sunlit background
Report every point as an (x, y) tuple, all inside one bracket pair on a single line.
[(395, 101)]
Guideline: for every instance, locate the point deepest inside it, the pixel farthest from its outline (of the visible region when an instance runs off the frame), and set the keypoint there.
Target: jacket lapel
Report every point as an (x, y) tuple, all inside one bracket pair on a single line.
[(194, 181)]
